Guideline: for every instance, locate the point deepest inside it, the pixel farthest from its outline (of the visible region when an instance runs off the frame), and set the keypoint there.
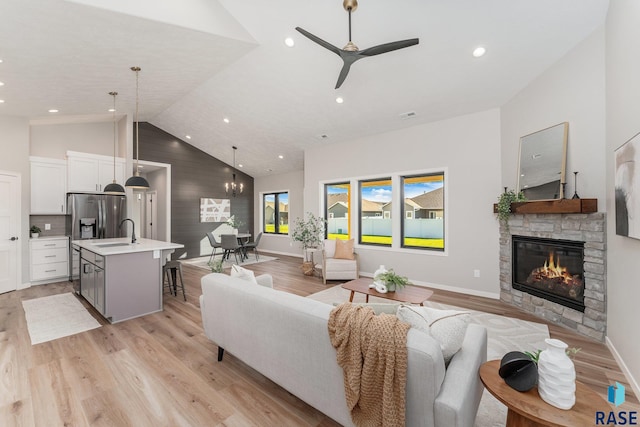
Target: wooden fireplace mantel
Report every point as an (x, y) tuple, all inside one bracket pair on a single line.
[(562, 206)]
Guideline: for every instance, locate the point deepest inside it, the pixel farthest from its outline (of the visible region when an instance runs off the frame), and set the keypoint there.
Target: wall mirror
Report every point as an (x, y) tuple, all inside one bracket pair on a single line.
[(542, 164)]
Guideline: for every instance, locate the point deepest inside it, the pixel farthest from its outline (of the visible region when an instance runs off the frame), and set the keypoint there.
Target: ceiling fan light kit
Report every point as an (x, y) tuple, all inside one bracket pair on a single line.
[(350, 52)]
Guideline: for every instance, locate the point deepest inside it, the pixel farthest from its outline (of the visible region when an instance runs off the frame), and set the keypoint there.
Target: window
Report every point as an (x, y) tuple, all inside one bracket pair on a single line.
[(375, 212), (409, 214), (336, 202), (424, 195), (275, 213)]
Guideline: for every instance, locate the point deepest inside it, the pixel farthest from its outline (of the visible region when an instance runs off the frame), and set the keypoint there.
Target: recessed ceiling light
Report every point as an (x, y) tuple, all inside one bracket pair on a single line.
[(188, 136), (239, 165), (339, 100), (111, 110), (479, 51), (1, 101), (289, 42), (53, 110), (226, 120), (1, 84), (281, 156), (0, 61)]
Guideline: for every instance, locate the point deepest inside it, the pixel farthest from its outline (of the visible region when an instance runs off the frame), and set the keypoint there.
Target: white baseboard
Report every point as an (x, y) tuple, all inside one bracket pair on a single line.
[(24, 286), (269, 251), (623, 366), (457, 290)]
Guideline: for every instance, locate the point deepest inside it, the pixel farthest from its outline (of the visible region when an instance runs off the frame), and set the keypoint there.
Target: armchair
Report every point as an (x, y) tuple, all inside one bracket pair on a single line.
[(339, 268)]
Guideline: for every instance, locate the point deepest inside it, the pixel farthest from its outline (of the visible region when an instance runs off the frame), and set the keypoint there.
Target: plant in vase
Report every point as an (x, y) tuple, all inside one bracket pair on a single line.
[(309, 233), (391, 280), (35, 231), (504, 204), (234, 223)]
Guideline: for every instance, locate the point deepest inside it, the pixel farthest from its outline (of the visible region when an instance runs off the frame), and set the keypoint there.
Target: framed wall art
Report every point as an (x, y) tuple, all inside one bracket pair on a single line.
[(627, 188), (215, 210)]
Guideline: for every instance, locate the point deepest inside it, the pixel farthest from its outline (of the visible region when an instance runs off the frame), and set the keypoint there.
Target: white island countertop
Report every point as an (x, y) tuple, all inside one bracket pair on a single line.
[(123, 245)]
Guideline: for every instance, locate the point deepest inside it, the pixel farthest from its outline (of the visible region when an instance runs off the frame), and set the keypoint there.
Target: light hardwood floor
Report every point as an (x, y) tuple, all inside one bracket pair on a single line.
[(161, 370)]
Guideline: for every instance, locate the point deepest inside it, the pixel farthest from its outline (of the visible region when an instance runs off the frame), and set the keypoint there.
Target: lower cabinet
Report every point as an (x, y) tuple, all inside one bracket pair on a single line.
[(92, 283), (49, 259)]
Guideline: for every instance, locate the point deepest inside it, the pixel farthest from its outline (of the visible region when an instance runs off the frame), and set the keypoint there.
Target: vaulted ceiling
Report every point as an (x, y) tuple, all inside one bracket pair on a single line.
[(204, 61)]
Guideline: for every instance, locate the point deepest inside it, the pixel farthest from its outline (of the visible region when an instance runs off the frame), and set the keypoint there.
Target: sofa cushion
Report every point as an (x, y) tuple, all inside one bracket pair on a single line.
[(344, 249), (242, 273), (448, 327), (335, 265), (329, 248)]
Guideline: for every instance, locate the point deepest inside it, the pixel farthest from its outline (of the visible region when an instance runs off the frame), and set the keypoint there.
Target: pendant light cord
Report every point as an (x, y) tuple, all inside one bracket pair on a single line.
[(137, 70), (114, 94)]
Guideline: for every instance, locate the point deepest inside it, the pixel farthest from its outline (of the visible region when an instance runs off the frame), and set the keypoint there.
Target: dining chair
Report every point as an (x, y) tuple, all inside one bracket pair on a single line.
[(214, 244), (254, 245), (230, 244)]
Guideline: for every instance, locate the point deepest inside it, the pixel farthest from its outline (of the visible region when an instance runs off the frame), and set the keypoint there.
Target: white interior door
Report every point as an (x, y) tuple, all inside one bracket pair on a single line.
[(9, 231), (151, 213)]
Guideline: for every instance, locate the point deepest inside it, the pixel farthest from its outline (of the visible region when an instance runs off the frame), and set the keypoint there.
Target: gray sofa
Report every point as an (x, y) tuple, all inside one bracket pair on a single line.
[(284, 337)]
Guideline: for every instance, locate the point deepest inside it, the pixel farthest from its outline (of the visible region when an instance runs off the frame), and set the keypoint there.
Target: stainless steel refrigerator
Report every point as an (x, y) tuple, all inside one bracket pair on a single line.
[(92, 216), (95, 216)]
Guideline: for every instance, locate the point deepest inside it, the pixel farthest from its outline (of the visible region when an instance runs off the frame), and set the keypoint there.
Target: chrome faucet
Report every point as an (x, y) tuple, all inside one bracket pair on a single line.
[(133, 225)]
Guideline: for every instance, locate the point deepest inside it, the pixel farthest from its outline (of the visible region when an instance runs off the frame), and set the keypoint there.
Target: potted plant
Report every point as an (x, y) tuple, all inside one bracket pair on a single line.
[(35, 231), (391, 280), (234, 223), (504, 204), (309, 233), (216, 265)]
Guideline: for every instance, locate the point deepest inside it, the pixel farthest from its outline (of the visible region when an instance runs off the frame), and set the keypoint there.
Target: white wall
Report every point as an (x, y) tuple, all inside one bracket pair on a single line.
[(14, 143), (293, 183), (572, 90), (54, 140), (469, 147), (623, 111)]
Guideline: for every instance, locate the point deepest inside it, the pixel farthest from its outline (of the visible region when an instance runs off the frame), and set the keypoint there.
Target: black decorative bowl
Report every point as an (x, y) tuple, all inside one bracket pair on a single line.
[(518, 371)]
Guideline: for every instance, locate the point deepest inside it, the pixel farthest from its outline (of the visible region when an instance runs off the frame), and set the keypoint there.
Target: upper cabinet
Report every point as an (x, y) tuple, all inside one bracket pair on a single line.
[(48, 186), (91, 173)]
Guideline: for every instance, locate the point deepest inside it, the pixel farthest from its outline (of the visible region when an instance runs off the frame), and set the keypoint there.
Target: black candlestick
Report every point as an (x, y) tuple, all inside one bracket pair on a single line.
[(575, 186)]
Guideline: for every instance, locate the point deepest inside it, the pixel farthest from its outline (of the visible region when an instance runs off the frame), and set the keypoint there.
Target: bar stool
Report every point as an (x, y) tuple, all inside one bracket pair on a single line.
[(170, 270)]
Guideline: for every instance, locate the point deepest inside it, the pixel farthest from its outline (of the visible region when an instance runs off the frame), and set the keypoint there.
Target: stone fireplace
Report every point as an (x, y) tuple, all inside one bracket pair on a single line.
[(553, 266)]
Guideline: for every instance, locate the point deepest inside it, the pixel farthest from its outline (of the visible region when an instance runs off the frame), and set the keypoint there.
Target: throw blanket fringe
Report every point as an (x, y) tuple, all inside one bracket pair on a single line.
[(372, 351)]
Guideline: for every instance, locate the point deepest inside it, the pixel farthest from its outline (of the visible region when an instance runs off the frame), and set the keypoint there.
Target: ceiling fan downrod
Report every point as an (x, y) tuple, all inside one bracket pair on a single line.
[(350, 6)]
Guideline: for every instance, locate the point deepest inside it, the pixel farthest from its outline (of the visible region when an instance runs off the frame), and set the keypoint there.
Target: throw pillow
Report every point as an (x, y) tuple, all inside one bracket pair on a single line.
[(378, 308), (344, 249), (243, 273), (447, 327)]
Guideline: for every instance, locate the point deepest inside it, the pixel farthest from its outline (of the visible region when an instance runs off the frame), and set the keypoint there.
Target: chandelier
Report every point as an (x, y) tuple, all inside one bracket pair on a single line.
[(232, 187)]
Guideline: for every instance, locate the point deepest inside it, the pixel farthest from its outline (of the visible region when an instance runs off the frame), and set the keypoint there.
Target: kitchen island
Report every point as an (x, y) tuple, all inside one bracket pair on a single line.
[(120, 279)]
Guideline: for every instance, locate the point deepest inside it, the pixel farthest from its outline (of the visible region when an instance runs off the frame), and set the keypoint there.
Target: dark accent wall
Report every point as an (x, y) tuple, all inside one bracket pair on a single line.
[(194, 174)]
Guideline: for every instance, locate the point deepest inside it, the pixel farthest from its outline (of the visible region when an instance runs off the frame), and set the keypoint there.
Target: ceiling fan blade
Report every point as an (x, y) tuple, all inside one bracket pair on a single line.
[(343, 73), (318, 40), (387, 47)]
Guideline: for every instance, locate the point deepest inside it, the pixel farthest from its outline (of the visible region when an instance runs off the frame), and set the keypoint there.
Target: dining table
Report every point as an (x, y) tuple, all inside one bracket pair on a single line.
[(242, 239)]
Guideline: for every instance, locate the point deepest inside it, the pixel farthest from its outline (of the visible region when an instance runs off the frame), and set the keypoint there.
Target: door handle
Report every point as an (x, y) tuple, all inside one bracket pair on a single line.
[(13, 239)]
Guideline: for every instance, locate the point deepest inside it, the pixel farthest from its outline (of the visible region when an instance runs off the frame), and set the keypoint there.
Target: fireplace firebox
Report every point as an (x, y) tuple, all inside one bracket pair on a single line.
[(549, 268)]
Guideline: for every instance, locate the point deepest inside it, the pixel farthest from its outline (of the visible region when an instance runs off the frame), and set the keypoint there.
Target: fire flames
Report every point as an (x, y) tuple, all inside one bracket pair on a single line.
[(556, 278)]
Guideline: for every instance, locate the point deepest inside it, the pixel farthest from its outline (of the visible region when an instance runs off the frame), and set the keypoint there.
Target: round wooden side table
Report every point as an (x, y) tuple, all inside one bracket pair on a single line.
[(527, 409)]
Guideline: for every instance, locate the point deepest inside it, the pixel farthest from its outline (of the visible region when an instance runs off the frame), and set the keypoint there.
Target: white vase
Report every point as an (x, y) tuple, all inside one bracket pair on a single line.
[(379, 285), (556, 375)]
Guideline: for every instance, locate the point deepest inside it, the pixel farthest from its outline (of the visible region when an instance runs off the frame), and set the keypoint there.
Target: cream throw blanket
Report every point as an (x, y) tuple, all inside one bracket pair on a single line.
[(372, 351)]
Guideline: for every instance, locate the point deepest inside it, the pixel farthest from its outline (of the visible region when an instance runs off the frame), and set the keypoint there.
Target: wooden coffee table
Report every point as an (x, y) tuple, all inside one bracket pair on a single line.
[(528, 409), (411, 294)]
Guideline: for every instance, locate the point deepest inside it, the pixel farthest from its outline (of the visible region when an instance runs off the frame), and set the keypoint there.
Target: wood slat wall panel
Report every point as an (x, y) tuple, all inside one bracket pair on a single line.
[(194, 174)]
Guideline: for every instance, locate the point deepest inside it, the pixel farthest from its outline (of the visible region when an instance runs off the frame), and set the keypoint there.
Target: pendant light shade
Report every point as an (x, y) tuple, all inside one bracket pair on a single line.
[(137, 181), (114, 187)]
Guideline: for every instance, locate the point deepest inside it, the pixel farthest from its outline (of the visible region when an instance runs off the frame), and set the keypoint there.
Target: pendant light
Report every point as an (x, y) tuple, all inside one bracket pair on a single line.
[(232, 186), (137, 181), (114, 187)]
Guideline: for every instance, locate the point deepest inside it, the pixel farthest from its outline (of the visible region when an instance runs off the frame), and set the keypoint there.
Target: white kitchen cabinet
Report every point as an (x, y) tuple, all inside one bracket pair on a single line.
[(49, 259), (92, 172), (48, 186)]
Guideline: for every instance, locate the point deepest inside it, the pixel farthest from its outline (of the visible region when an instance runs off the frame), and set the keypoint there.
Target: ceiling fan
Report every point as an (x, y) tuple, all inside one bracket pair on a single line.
[(350, 53)]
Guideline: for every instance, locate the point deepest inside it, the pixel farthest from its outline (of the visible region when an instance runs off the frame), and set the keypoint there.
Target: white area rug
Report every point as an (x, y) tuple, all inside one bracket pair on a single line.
[(56, 316), (504, 334), (202, 261)]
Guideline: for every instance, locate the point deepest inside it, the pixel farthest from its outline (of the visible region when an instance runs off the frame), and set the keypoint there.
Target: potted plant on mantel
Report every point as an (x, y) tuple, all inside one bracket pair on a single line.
[(35, 231), (309, 233), (504, 204)]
